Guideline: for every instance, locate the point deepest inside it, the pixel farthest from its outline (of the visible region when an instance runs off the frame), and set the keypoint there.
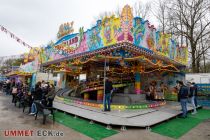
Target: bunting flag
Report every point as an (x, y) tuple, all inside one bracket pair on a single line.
[(13, 36)]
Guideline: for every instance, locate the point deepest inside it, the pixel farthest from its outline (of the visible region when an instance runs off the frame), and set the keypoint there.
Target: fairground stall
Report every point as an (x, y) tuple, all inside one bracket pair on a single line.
[(32, 62), (126, 49), (19, 76), (24, 74)]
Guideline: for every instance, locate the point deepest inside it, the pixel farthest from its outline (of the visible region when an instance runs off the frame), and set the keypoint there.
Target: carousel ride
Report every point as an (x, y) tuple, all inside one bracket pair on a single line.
[(128, 50)]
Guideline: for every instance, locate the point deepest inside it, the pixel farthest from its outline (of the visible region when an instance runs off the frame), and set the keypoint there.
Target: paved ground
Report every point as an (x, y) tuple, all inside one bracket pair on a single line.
[(12, 118)]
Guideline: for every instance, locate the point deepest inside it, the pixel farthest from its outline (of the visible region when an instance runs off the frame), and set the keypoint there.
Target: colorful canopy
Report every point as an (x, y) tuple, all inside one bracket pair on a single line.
[(135, 34)]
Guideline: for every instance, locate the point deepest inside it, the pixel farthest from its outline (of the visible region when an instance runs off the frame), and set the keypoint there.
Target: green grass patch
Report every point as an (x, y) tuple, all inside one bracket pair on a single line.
[(178, 127), (94, 131)]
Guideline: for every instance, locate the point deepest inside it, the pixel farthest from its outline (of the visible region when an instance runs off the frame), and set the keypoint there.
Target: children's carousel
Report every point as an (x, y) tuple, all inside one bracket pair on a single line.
[(128, 50)]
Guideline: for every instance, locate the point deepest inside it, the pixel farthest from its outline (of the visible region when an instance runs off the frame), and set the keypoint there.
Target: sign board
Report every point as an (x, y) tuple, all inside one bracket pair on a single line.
[(198, 78)]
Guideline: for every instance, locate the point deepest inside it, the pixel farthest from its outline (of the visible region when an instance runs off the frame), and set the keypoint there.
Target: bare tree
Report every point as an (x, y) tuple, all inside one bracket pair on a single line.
[(204, 43), (189, 19), (142, 10), (162, 14)]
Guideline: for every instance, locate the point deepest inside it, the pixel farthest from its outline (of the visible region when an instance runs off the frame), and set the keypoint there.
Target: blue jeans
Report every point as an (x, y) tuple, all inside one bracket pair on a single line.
[(7, 91), (33, 108), (184, 107), (107, 102), (195, 101)]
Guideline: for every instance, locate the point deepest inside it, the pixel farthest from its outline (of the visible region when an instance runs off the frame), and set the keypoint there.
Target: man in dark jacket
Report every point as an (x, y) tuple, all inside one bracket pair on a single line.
[(8, 89), (37, 97), (196, 93), (50, 96), (192, 97), (107, 97), (183, 94), (177, 88)]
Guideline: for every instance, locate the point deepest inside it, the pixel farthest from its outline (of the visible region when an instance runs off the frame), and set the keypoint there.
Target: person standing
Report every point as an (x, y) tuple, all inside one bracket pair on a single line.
[(1, 85), (14, 93), (8, 89), (183, 94), (147, 91), (196, 93), (37, 97), (108, 90), (50, 96), (162, 91), (12, 84), (20, 91), (177, 88), (152, 89), (25, 89), (192, 97), (43, 84)]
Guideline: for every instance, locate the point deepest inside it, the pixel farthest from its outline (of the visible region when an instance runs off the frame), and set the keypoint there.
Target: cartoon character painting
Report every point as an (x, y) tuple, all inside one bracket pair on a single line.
[(83, 47), (94, 40), (165, 44), (172, 48), (158, 46), (117, 28), (107, 30), (138, 31), (81, 35), (126, 23), (110, 30), (49, 51), (150, 41)]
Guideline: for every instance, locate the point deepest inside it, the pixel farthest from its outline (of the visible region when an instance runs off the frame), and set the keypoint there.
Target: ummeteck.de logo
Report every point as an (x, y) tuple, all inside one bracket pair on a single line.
[(29, 133)]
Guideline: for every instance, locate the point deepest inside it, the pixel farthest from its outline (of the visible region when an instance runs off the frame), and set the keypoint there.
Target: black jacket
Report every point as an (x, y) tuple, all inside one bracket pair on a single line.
[(193, 90), (108, 86), (183, 92), (38, 93)]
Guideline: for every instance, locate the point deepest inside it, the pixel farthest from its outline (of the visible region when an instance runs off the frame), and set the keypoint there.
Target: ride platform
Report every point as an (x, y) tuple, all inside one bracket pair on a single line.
[(125, 118)]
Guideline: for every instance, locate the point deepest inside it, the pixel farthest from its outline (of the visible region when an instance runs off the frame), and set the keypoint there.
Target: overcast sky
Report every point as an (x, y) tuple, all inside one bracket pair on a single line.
[(37, 21)]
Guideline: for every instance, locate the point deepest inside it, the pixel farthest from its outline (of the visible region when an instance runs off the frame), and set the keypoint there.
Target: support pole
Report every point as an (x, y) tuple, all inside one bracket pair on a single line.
[(104, 80)]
